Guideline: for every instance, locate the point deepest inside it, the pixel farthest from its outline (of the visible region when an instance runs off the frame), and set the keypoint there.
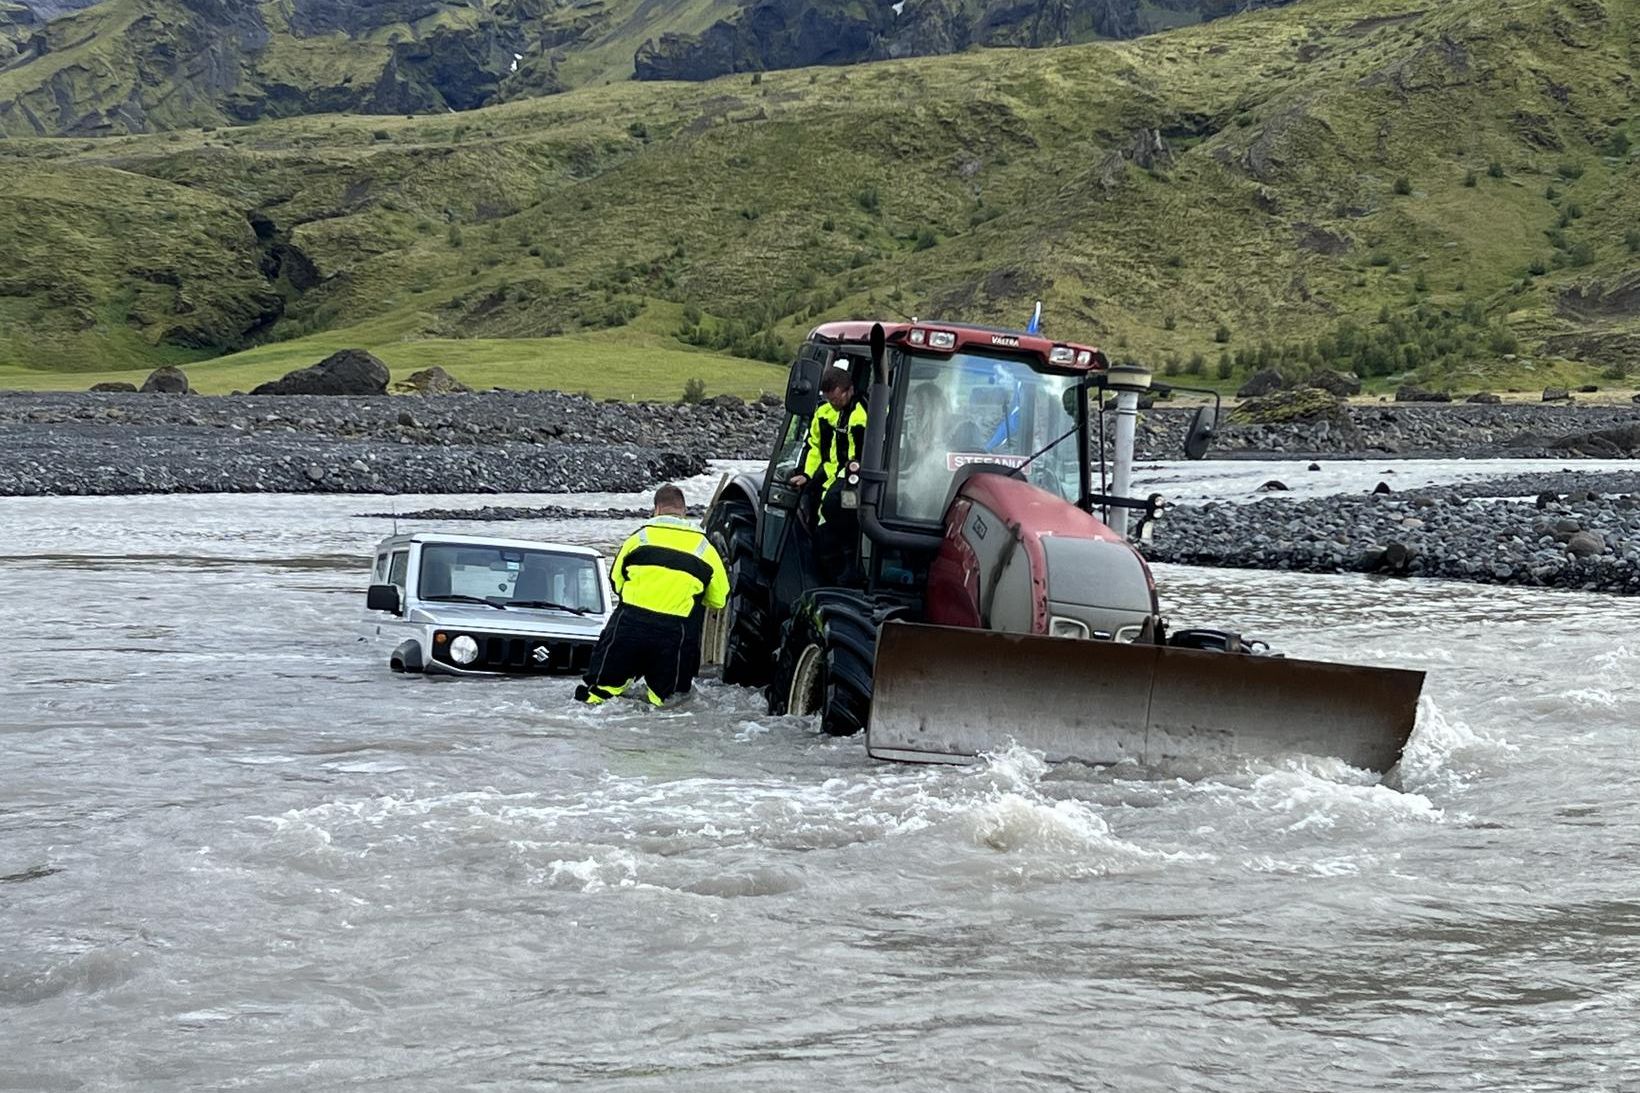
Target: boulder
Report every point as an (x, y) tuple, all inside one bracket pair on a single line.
[(166, 380), (1589, 388), (349, 372), (1484, 398), (1556, 394), (1411, 392), (1342, 384), (1265, 381), (1585, 544), (114, 385), (432, 381)]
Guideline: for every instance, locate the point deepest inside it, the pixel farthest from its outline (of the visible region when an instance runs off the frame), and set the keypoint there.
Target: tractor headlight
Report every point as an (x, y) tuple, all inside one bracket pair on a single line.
[(1061, 627), (463, 650)]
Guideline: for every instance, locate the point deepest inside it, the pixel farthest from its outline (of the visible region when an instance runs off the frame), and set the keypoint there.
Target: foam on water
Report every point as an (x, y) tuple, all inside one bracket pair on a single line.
[(1445, 753)]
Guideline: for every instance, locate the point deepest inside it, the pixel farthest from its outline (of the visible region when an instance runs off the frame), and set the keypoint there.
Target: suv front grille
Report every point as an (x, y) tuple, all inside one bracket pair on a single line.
[(528, 656)]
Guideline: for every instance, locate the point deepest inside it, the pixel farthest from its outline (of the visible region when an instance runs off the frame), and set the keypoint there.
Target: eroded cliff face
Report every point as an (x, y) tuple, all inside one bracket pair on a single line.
[(131, 66), (772, 34)]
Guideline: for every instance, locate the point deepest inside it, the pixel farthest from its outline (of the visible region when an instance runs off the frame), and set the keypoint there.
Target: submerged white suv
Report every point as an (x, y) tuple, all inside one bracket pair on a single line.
[(473, 605)]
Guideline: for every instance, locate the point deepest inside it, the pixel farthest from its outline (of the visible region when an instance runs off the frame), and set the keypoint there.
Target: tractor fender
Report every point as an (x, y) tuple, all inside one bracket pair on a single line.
[(746, 488)]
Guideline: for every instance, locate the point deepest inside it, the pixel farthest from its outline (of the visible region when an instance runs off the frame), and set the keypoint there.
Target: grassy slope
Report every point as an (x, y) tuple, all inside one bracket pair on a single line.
[(627, 24), (802, 196)]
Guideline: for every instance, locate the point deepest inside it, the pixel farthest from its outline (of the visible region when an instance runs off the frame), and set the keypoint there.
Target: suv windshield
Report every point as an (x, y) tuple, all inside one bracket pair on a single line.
[(509, 576), (969, 408)]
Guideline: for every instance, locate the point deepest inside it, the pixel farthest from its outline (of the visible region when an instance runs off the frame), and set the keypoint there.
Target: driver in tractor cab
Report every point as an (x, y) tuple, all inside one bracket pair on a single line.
[(837, 435)]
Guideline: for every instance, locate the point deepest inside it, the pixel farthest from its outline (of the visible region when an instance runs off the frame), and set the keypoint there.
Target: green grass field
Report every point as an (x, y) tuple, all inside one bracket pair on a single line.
[(605, 365)]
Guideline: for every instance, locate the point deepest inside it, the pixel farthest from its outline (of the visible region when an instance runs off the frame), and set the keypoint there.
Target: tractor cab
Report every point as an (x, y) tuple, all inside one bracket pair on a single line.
[(945, 402)]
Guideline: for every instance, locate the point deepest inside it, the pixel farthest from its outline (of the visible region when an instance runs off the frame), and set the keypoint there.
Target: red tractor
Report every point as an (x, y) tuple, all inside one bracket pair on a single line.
[(995, 605)]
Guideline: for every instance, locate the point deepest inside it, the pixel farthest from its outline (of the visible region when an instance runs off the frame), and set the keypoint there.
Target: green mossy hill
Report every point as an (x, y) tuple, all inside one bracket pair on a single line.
[(1295, 404), (1446, 194)]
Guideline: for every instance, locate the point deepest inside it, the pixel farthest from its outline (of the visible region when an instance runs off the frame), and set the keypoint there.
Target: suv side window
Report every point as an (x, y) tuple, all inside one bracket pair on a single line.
[(395, 572), (380, 575)]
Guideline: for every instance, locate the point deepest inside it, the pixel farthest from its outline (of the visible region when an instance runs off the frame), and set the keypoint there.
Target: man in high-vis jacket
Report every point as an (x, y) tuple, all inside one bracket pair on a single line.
[(665, 573), (837, 435)]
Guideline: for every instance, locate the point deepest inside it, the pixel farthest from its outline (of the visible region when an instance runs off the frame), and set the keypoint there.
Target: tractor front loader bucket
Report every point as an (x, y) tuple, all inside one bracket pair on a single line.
[(943, 695)]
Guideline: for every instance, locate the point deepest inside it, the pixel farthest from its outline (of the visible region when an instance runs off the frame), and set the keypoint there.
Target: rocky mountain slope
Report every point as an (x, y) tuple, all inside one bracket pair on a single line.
[(130, 66), (1448, 194), (771, 34)]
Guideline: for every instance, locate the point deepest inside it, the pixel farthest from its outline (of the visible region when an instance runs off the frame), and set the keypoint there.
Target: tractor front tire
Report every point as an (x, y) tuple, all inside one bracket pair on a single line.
[(828, 650), (733, 534)]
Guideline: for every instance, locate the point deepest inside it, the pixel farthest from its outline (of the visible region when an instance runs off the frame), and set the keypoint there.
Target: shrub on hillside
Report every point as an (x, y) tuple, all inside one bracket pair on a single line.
[(694, 391)]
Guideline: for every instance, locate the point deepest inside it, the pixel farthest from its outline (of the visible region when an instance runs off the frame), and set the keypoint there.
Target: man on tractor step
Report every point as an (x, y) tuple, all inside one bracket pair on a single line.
[(665, 572), (837, 435)]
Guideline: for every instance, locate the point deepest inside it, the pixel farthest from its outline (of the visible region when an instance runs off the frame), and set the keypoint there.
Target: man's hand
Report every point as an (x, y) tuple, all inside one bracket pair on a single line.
[(798, 480)]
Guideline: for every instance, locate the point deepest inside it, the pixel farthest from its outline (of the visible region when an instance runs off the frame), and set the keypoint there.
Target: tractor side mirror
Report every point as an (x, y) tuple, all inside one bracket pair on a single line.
[(383, 597), (803, 386), (1202, 425)]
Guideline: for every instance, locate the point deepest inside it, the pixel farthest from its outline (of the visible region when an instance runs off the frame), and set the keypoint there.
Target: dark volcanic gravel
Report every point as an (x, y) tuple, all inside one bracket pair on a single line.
[(492, 442), (85, 443), (1582, 539)]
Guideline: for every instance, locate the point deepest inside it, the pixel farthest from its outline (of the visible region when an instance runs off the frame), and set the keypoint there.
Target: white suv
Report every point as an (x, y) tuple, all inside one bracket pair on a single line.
[(473, 605)]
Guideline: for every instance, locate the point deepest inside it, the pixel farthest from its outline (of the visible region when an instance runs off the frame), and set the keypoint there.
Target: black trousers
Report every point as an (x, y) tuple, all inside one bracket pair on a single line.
[(837, 540), (663, 649)]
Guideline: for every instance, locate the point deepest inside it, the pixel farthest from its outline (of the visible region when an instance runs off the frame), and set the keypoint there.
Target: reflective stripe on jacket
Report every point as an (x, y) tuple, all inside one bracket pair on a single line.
[(831, 445), (668, 566)]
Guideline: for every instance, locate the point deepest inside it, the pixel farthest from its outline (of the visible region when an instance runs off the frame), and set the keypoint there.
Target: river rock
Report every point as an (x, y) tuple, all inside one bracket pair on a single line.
[(166, 380), (1484, 398), (1585, 544), (114, 385), (1556, 394), (432, 381), (349, 372)]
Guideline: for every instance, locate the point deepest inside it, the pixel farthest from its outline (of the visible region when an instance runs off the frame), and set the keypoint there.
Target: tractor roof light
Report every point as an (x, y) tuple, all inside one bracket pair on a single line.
[(1127, 377), (941, 339), (918, 337), (1061, 354), (1084, 357)]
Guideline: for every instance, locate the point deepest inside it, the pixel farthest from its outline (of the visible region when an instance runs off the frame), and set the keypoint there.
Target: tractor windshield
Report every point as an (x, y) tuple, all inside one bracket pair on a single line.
[(971, 408)]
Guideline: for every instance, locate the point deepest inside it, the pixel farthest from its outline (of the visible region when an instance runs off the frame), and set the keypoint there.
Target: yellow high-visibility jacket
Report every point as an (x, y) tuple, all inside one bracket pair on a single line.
[(669, 566), (832, 443)]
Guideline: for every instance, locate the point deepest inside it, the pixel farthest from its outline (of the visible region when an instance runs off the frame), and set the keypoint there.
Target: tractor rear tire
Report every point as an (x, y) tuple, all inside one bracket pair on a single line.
[(733, 533), (828, 651)]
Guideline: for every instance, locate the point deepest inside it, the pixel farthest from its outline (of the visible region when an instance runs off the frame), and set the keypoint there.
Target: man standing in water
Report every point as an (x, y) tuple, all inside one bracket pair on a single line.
[(665, 572)]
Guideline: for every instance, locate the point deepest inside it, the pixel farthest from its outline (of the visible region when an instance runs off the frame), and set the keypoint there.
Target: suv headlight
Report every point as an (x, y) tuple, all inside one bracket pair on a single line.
[(463, 650)]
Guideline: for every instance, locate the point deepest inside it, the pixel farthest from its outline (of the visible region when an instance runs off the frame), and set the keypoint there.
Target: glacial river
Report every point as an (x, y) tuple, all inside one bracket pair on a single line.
[(237, 853)]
